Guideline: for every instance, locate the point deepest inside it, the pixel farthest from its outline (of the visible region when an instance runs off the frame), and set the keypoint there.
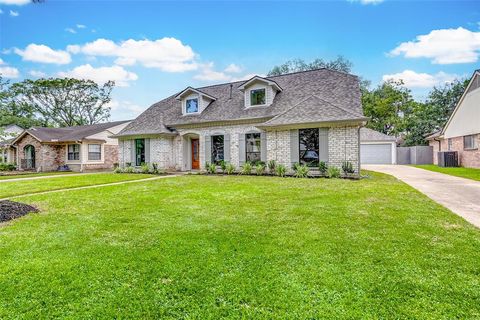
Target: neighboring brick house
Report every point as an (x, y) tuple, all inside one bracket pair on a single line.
[(302, 117), (462, 130), (82, 148)]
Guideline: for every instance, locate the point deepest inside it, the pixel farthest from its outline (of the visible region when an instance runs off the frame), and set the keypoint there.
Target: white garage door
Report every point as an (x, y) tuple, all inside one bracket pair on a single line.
[(376, 153)]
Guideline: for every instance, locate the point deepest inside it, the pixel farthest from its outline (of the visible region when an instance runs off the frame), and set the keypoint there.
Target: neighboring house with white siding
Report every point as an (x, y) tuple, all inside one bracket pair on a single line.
[(461, 133), (7, 134), (304, 117), (81, 148)]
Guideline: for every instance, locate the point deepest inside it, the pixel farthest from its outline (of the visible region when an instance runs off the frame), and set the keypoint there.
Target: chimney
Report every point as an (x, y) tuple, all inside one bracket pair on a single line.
[(231, 86)]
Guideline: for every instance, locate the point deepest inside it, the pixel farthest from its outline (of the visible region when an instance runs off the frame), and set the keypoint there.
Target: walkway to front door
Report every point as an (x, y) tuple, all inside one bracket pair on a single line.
[(195, 154)]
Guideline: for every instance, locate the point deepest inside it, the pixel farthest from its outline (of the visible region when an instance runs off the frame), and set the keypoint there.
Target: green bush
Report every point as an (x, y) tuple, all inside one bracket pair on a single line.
[(155, 168), (223, 166), (333, 172), (272, 164), (7, 166), (128, 164), (247, 168), (118, 170), (281, 170), (260, 169), (322, 167), (347, 168), (302, 171), (230, 168), (295, 166), (129, 169), (145, 168), (212, 168)]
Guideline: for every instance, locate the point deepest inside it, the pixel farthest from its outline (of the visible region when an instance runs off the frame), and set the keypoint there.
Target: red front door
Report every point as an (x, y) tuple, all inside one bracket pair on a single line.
[(195, 154)]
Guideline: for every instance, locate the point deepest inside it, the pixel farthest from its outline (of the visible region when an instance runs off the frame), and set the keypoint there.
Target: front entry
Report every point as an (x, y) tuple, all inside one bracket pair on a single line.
[(195, 154)]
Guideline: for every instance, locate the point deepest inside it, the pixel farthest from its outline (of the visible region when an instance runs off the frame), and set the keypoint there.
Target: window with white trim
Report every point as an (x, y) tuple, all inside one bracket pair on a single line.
[(469, 142), (73, 152), (257, 97), (94, 152), (191, 105)]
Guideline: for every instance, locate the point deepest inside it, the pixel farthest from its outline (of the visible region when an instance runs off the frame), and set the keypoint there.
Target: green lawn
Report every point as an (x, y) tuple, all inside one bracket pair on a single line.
[(211, 247), (32, 175), (469, 173), (15, 188)]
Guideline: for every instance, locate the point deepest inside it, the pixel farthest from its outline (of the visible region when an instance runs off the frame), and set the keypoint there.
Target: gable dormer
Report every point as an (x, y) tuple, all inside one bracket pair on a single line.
[(194, 101), (259, 92)]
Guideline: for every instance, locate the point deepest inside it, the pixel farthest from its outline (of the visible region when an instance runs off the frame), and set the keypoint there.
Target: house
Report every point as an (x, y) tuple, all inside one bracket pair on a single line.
[(7, 134), (82, 148), (461, 133), (302, 117), (377, 147)]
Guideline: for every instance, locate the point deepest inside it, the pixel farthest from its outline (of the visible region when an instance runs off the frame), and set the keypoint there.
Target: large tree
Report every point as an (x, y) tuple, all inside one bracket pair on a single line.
[(13, 113), (295, 65), (388, 105), (65, 101)]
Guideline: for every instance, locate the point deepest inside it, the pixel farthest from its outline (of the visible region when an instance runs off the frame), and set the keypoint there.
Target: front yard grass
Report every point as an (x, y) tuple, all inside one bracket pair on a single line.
[(469, 173), (211, 247), (16, 175), (16, 188)]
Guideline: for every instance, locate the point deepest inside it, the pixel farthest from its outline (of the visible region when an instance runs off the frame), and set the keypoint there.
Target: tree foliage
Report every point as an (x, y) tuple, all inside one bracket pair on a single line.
[(295, 65), (64, 101)]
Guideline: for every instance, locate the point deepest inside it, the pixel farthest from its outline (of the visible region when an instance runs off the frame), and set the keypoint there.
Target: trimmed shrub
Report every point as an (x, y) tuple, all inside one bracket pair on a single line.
[(144, 168), (230, 168), (272, 164), (129, 169), (333, 172), (280, 170), (212, 168), (155, 168), (322, 167), (247, 168), (223, 166), (118, 170), (302, 171), (347, 168), (7, 166), (260, 169)]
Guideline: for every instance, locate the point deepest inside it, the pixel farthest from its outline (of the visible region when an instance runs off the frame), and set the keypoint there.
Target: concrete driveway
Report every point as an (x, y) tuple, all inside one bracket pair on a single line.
[(462, 196)]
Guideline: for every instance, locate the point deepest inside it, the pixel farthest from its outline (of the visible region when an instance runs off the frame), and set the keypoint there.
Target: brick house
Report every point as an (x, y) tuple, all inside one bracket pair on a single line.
[(7, 135), (82, 148), (304, 117), (461, 133)]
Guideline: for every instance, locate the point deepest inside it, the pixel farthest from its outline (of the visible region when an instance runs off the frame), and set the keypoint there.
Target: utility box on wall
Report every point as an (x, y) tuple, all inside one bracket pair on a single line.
[(448, 159)]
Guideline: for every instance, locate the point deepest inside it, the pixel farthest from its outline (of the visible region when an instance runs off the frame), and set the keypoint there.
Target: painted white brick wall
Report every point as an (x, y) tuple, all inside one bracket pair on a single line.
[(343, 146), (278, 147), (169, 152), (161, 152), (124, 152)]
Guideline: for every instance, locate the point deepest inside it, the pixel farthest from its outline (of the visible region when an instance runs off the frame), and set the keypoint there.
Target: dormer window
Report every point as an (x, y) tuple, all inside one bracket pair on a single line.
[(257, 97), (191, 105)]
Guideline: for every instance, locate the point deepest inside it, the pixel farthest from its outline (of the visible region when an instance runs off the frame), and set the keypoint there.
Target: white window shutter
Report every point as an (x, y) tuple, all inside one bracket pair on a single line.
[(294, 147), (241, 149), (226, 147), (208, 149), (263, 146)]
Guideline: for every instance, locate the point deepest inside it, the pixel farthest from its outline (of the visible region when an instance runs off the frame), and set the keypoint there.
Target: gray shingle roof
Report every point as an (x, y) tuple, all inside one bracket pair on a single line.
[(331, 87), (367, 134), (66, 134)]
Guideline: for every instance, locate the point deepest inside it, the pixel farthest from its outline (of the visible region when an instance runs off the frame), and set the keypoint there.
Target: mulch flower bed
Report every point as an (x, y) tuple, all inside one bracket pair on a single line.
[(10, 210)]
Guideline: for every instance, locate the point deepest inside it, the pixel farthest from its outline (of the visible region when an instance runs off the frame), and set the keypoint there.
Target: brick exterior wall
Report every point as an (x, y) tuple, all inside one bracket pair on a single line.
[(169, 152), (110, 158), (47, 157), (467, 158)]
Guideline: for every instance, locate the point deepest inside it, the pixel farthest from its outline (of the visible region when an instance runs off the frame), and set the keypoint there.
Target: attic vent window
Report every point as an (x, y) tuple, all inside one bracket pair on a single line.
[(257, 97), (191, 105)]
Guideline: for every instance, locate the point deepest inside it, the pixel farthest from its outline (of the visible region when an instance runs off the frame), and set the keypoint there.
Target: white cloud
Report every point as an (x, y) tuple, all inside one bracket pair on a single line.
[(70, 30), (208, 74), (444, 46), (365, 2), (14, 2), (37, 74), (81, 26), (14, 13), (413, 79), (125, 109), (42, 53), (166, 54), (233, 68), (9, 72), (101, 74), (1, 61)]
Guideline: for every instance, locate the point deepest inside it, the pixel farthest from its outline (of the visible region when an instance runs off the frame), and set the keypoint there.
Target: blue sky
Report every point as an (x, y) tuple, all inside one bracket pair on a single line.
[(153, 49)]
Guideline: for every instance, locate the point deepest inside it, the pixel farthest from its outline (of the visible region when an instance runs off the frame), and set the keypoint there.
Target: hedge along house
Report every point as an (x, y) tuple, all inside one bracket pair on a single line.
[(81, 148), (303, 117)]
